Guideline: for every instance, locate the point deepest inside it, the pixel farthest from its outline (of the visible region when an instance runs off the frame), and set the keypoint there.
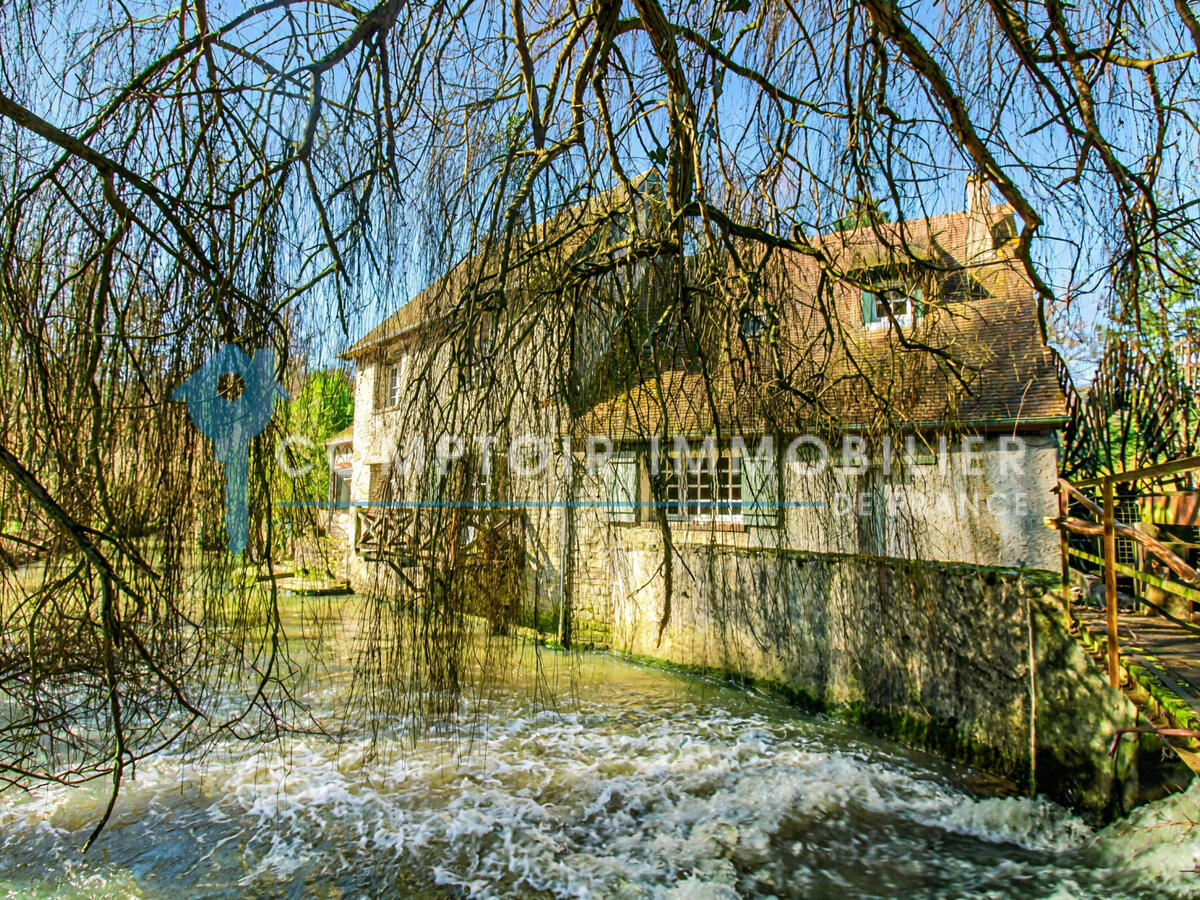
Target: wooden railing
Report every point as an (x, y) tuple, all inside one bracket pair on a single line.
[(392, 535), (377, 529), (1109, 529)]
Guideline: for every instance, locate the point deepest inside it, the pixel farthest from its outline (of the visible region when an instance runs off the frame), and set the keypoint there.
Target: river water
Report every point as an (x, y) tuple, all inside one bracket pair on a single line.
[(633, 782)]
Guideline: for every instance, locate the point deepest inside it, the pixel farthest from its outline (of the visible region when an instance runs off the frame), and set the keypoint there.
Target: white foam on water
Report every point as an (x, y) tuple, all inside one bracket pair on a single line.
[(1030, 822), (1160, 840), (586, 812), (284, 858), (608, 800)]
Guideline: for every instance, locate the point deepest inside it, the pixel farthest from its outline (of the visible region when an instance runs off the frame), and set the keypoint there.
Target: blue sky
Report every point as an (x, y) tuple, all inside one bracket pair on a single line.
[(1074, 241)]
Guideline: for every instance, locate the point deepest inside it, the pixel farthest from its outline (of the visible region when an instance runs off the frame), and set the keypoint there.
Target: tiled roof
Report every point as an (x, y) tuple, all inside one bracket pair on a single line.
[(552, 243), (422, 309), (970, 361), (979, 360)]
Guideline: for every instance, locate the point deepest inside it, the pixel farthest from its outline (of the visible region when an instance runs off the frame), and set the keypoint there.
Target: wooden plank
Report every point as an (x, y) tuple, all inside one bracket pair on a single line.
[(1173, 560), (1083, 554), (1171, 468), (1064, 557), (1159, 651), (1157, 581), (1178, 508), (1183, 693), (1110, 584)]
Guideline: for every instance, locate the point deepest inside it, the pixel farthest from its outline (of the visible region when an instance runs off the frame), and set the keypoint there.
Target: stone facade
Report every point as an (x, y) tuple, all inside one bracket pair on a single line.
[(857, 586), (972, 663), (984, 505)]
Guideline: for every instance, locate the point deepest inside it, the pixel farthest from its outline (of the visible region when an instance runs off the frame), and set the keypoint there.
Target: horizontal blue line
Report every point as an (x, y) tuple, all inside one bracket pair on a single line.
[(517, 504)]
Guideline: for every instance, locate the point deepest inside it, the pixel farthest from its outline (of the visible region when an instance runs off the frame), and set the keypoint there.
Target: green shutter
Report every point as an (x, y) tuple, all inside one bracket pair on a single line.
[(621, 488), (868, 308), (760, 489), (918, 302)]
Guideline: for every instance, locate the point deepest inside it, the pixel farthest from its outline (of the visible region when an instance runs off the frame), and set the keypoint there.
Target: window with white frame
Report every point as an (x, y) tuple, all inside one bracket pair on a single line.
[(394, 376), (890, 300), (731, 485), (705, 488)]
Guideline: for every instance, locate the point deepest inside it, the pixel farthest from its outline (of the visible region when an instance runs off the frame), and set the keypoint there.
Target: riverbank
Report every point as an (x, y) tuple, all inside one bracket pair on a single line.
[(582, 775), (973, 663)]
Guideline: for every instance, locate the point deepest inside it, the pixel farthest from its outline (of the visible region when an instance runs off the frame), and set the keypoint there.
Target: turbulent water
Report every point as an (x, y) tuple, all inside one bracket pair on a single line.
[(641, 783)]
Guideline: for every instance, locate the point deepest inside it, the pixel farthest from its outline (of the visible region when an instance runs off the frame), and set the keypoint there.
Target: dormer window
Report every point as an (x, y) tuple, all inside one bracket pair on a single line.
[(753, 325), (890, 300), (893, 303), (662, 334)]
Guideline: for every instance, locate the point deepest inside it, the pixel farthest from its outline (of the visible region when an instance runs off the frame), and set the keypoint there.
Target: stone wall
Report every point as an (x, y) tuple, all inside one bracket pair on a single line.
[(937, 655), (982, 503)]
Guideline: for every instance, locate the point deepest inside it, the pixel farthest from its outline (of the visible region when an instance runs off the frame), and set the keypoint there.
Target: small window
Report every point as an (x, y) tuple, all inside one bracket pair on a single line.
[(697, 492), (894, 302), (729, 487), (1004, 231), (395, 378), (888, 301), (753, 325), (1128, 513), (393, 383), (341, 487)]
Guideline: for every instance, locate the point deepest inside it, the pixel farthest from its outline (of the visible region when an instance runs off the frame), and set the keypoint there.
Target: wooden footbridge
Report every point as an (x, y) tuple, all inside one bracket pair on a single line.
[(1130, 544)]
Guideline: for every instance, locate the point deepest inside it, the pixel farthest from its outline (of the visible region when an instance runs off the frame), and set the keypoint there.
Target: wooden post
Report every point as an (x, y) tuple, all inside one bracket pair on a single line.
[(566, 570), (1064, 554), (1110, 582)]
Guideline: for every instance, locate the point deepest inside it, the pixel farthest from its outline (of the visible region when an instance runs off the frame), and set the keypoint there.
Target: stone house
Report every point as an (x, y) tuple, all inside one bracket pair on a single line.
[(906, 408), (686, 509)]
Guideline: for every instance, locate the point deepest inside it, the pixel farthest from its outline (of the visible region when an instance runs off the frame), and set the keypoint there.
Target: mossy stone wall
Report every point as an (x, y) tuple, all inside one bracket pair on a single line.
[(938, 655)]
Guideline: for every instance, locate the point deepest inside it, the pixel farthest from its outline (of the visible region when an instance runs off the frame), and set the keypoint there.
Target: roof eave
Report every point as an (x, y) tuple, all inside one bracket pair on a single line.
[(362, 348)]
